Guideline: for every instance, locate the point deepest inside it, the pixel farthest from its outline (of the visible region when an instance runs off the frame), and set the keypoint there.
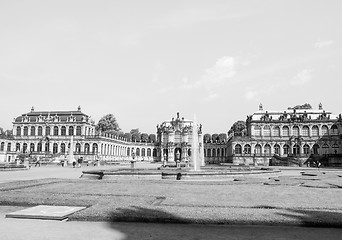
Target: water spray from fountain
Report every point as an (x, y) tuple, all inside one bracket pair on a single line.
[(195, 147)]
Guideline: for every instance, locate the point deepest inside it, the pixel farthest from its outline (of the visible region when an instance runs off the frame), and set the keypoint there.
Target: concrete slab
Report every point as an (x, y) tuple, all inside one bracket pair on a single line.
[(45, 212)]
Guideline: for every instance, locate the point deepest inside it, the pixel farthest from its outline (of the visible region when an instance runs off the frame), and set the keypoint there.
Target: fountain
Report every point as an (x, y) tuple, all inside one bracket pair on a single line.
[(196, 157), (180, 169)]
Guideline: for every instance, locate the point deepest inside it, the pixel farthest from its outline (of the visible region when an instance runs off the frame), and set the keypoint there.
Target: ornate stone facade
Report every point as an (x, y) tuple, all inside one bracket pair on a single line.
[(48, 134), (299, 132), (174, 139)]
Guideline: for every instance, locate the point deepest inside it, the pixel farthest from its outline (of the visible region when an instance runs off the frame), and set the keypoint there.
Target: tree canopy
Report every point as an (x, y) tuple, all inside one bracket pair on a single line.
[(238, 128), (152, 138), (108, 124), (144, 137), (207, 138), (136, 135), (222, 137), (128, 137)]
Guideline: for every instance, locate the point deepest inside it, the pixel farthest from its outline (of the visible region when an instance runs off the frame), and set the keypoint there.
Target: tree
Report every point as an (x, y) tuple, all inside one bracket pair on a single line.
[(107, 124), (222, 137), (128, 137), (152, 138), (238, 128), (214, 137), (207, 138), (144, 137), (135, 135)]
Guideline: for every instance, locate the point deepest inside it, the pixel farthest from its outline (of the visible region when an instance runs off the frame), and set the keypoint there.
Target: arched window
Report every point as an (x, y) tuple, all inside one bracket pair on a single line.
[(87, 148), (238, 149), (17, 147), (247, 149), (214, 152), (2, 147), (149, 152), (286, 149), (25, 131), (47, 147), (55, 131), (24, 147), (128, 151), (257, 149), (78, 148), (78, 130), (305, 131), (95, 148), (47, 131), (315, 149), (71, 131), (18, 131), (40, 131), (276, 149), (295, 131), (267, 150), (8, 147), (276, 131), (306, 149), (314, 131), (33, 131), (257, 131), (31, 147), (209, 152), (62, 147), (55, 148), (334, 130), (39, 147), (335, 148), (154, 152), (286, 131), (143, 152), (267, 131), (324, 130), (63, 130), (296, 149), (137, 152), (325, 148)]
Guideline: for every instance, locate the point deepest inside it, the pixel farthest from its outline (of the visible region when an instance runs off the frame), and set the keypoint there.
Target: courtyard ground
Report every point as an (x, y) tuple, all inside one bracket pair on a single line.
[(286, 199)]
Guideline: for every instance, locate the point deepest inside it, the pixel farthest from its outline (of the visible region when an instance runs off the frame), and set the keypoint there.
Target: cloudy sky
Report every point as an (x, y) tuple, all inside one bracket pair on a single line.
[(144, 61)]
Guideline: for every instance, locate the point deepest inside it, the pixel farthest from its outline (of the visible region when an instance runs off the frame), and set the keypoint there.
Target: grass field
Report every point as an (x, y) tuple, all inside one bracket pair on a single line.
[(304, 200)]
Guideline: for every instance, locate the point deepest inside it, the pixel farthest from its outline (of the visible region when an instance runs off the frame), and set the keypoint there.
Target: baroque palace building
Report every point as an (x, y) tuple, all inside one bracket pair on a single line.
[(174, 139), (47, 134), (295, 135)]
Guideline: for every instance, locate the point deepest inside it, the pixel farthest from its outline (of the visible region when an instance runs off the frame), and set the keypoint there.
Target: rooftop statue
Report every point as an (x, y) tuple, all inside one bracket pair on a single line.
[(304, 106)]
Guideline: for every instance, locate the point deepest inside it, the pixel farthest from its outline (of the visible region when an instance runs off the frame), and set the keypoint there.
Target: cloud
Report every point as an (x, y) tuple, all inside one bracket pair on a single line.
[(250, 94), (323, 44), (223, 71), (210, 97), (164, 90), (302, 77)]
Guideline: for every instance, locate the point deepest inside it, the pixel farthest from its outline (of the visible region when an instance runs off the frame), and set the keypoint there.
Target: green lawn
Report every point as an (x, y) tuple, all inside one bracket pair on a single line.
[(285, 200)]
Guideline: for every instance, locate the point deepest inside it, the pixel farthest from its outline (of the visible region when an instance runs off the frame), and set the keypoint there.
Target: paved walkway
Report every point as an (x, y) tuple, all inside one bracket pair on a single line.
[(24, 229)]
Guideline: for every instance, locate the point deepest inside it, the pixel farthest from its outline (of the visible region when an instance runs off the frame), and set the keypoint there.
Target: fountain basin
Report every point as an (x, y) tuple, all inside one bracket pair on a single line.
[(176, 174)]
